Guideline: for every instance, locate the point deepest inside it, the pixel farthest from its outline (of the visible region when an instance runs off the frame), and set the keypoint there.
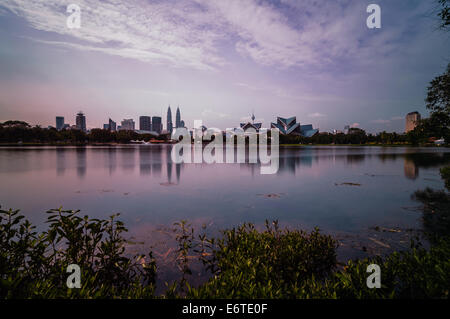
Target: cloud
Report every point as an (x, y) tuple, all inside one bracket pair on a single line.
[(397, 118), (168, 32), (355, 125), (211, 114), (316, 115), (193, 33)]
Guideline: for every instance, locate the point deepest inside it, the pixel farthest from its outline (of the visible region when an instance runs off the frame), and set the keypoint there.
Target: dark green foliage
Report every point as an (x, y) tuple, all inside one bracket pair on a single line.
[(17, 131), (355, 136), (436, 126), (413, 274), (445, 174), (274, 264), (33, 265), (444, 14), (247, 263), (438, 96)]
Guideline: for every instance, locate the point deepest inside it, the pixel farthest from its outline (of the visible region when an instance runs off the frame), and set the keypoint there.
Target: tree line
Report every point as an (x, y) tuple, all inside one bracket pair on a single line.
[(22, 132)]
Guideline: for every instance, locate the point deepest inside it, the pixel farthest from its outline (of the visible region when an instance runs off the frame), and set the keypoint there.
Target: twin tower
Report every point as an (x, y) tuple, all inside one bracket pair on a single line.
[(178, 121)]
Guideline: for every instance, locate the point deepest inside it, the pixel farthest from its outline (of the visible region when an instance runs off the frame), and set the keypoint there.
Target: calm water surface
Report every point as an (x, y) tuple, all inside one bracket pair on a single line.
[(148, 189)]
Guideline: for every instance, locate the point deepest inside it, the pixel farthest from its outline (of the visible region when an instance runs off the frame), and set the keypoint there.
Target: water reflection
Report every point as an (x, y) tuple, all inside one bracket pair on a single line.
[(343, 188), (410, 168), (111, 159), (81, 156), (152, 160), (60, 161), (145, 164)]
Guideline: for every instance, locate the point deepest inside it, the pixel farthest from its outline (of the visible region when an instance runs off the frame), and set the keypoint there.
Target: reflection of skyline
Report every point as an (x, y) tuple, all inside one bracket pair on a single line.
[(156, 160), (291, 160), (81, 161), (150, 161), (60, 161), (410, 169)]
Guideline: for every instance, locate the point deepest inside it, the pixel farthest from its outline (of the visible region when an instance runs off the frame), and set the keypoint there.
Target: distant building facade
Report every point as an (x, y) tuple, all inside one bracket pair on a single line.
[(157, 124), (127, 125), (59, 122), (112, 126), (412, 119), (80, 121), (178, 118), (169, 121), (145, 123)]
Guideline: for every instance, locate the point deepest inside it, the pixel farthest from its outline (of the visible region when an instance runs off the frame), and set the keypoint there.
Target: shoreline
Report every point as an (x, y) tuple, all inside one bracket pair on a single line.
[(171, 143)]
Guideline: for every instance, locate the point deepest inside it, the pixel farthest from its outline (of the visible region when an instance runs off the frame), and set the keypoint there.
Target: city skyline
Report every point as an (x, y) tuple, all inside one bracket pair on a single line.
[(318, 62)]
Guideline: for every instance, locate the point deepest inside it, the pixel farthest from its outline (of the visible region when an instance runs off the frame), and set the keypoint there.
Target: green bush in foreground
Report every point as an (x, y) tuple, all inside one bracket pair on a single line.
[(248, 263), (293, 264), (34, 265), (245, 263)]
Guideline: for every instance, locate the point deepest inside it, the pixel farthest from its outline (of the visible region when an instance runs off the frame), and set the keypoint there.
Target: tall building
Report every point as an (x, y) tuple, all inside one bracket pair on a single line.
[(145, 123), (178, 118), (80, 121), (59, 122), (157, 124), (106, 126), (112, 125), (412, 120), (169, 120), (127, 125)]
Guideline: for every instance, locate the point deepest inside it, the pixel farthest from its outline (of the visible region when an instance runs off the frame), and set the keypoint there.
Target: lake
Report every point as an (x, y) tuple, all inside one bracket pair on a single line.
[(345, 191)]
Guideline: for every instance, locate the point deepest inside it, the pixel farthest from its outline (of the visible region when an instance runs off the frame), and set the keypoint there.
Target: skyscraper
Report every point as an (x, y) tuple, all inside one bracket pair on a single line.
[(127, 125), (112, 125), (412, 120), (178, 118), (157, 124), (145, 123), (169, 120), (59, 122), (80, 121)]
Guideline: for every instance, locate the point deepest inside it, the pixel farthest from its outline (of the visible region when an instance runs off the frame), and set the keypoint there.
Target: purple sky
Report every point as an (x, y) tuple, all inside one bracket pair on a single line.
[(219, 61)]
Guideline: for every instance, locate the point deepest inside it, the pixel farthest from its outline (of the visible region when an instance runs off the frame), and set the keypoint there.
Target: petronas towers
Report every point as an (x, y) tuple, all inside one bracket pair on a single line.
[(178, 121)]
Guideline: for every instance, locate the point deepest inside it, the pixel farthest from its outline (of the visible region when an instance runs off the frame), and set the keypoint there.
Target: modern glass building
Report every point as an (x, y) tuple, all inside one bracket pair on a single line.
[(178, 118), (127, 125), (112, 125), (80, 121), (157, 124), (59, 122), (145, 123), (169, 121)]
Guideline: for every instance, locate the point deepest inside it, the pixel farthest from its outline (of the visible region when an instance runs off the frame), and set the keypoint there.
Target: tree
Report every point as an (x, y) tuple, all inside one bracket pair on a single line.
[(444, 13), (438, 97), (437, 126)]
